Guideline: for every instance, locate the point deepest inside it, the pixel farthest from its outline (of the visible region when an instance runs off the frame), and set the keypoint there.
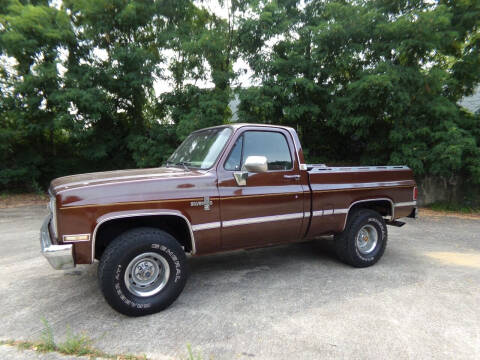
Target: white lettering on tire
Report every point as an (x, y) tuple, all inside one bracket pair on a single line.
[(122, 296), (178, 271)]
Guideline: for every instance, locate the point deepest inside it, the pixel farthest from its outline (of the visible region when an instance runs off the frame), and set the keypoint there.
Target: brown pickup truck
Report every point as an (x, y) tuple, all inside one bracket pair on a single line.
[(225, 188)]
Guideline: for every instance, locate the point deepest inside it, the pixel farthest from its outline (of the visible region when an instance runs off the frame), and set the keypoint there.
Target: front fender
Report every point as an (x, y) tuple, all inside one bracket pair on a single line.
[(138, 213)]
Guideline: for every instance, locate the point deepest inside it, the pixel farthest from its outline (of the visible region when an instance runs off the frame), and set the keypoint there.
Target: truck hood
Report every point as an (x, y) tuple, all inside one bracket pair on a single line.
[(119, 176)]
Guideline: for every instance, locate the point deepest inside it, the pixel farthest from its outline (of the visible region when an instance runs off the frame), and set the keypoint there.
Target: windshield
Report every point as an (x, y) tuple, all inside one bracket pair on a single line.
[(201, 148)]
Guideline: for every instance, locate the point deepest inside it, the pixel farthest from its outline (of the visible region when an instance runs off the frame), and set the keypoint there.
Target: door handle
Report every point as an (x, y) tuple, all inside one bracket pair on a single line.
[(295, 177)]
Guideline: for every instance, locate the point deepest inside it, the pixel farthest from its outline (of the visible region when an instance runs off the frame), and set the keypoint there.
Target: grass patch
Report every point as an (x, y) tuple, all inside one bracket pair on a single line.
[(77, 345), (450, 207), (191, 355), (47, 340), (74, 344)]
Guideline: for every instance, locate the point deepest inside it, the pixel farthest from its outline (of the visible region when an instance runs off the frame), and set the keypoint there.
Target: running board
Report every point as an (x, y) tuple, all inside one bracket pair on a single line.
[(395, 223)]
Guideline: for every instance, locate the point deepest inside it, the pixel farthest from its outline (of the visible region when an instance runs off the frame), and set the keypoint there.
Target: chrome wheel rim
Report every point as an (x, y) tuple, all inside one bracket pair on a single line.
[(366, 239), (147, 274)]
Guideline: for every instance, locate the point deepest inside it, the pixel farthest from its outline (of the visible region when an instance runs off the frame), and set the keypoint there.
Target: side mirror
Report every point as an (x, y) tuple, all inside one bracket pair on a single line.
[(256, 164)]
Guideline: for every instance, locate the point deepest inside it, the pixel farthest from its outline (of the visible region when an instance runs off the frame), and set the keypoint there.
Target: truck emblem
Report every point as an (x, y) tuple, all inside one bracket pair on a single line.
[(206, 203)]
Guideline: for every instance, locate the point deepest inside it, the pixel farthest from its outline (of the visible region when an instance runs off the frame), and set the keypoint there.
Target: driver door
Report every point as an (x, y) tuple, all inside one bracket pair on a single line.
[(269, 207)]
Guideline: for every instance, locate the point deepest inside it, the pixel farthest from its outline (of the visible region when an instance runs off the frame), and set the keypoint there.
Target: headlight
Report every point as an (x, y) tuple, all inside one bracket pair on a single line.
[(53, 210)]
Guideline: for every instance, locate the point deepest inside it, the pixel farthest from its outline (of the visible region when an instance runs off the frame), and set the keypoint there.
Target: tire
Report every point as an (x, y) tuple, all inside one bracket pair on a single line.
[(142, 271), (364, 224)]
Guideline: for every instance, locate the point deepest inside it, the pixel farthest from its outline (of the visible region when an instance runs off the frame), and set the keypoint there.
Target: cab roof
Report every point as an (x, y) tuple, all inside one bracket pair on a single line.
[(236, 126)]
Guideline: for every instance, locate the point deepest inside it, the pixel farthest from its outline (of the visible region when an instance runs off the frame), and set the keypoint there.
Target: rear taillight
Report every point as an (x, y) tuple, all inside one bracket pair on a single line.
[(415, 193)]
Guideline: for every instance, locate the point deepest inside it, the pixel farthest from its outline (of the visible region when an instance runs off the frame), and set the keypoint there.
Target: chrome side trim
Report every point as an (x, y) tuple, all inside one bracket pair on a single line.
[(154, 213), (135, 203), (329, 212), (408, 203), (262, 219), (206, 226), (392, 208), (327, 187), (251, 196), (318, 169)]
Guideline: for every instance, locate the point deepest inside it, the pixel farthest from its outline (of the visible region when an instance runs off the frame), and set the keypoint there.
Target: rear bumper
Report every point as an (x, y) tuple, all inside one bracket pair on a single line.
[(59, 256), (414, 213)]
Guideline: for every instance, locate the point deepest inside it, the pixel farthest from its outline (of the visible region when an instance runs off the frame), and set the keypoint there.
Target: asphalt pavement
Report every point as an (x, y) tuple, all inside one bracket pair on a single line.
[(421, 300)]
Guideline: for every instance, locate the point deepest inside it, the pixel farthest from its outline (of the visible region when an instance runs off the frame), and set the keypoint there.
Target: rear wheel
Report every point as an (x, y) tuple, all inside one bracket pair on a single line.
[(364, 239), (142, 271)]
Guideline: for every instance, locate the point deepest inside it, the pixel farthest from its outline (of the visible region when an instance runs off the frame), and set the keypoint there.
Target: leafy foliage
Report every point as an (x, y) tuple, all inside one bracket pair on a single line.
[(371, 82), (32, 105)]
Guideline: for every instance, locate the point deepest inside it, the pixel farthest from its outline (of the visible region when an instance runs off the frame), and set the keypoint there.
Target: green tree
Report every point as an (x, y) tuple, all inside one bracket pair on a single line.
[(369, 82), (205, 48), (373, 82), (111, 70), (33, 109)]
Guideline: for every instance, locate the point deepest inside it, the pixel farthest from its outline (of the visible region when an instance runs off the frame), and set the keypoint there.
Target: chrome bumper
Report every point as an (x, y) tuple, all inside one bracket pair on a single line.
[(59, 256)]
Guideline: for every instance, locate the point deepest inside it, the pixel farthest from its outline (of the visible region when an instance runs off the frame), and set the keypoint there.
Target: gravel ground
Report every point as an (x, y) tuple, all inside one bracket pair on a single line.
[(422, 300)]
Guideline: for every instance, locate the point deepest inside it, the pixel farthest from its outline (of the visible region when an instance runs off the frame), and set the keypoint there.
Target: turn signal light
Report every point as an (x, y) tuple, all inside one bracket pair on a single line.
[(72, 238), (415, 193)]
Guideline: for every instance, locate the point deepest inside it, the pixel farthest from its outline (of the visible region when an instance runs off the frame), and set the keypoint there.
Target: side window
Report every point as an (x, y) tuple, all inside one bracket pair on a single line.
[(234, 160), (272, 145)]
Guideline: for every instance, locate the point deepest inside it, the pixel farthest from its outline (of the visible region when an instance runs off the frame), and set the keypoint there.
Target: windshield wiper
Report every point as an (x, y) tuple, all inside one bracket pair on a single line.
[(185, 164)]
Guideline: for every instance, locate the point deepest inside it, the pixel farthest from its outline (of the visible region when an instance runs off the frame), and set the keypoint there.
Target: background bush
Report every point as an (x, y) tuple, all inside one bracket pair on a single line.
[(363, 82)]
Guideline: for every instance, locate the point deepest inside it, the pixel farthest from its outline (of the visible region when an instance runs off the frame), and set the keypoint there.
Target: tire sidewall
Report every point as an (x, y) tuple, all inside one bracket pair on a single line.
[(113, 283), (378, 223)]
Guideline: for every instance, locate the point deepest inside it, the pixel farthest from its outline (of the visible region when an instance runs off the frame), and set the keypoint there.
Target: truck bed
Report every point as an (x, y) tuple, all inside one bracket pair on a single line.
[(335, 191)]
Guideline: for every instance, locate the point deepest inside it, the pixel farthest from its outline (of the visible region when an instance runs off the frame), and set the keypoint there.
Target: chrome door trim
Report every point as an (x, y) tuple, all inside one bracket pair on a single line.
[(262, 219)]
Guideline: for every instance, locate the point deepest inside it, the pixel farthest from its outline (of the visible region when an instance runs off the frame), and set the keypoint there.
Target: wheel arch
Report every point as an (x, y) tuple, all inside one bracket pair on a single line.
[(384, 206), (111, 225)]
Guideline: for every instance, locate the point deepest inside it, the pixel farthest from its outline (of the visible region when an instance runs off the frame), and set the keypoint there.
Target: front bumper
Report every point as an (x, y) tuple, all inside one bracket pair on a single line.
[(59, 256)]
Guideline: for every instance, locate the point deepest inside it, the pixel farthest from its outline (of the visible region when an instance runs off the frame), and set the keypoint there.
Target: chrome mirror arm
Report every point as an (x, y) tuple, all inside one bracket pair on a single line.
[(241, 177)]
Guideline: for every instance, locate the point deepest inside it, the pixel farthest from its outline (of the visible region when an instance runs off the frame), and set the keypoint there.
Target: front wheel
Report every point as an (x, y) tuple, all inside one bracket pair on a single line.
[(142, 271), (364, 239)]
